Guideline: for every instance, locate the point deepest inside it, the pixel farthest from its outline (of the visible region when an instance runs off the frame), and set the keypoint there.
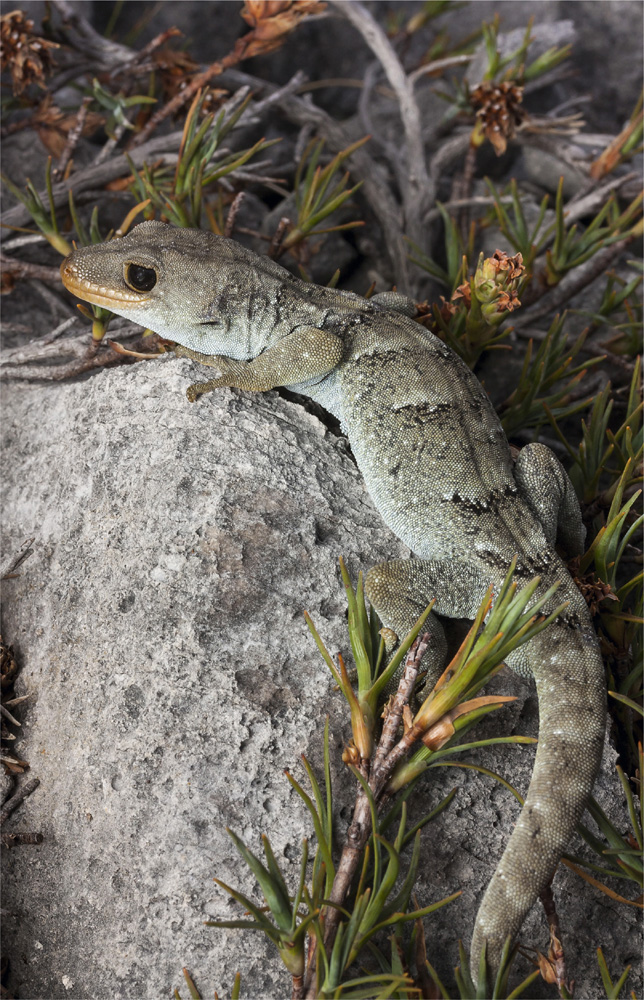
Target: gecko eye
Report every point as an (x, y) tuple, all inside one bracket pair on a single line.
[(141, 279)]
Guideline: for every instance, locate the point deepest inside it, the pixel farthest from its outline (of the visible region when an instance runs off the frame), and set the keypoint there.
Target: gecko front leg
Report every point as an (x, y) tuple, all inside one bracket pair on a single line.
[(304, 354)]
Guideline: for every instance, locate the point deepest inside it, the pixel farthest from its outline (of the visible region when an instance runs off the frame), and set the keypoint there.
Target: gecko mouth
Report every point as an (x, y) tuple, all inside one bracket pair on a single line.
[(99, 295)]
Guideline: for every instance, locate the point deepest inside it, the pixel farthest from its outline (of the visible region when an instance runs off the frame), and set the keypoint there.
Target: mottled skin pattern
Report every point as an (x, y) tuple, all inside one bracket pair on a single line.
[(438, 466)]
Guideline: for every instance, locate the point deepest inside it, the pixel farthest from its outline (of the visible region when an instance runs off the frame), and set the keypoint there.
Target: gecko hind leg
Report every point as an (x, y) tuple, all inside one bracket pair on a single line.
[(545, 487), (395, 301), (401, 590)]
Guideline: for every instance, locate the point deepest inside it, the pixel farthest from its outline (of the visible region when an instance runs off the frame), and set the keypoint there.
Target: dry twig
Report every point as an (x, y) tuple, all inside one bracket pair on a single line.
[(375, 185), (575, 282), (23, 269), (11, 563), (28, 361), (12, 839), (19, 796), (72, 138), (417, 190), (387, 756)]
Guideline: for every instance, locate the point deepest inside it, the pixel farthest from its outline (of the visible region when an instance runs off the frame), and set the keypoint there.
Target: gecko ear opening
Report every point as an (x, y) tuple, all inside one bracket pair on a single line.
[(139, 278)]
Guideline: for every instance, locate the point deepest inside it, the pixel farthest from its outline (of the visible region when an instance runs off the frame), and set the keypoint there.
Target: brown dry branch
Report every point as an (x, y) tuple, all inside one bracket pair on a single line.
[(275, 248), (417, 190), (553, 968), (13, 839), (22, 269), (73, 136), (11, 562), (140, 61), (29, 361), (17, 798), (270, 20), (575, 282), (388, 753), (57, 130), (395, 710), (232, 213)]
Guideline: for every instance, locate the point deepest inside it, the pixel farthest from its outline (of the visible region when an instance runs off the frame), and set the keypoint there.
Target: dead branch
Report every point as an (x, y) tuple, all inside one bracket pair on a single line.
[(23, 269), (417, 189), (12, 839), (23, 792), (574, 283), (28, 361), (82, 37), (360, 829), (72, 138), (375, 185), (10, 563), (138, 59)]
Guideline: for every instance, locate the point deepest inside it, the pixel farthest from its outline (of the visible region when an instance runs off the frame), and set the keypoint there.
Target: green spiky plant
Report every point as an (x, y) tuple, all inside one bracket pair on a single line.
[(180, 199), (43, 215)]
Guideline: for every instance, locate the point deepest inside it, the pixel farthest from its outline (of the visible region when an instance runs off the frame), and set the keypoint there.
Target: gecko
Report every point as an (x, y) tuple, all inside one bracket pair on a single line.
[(438, 467)]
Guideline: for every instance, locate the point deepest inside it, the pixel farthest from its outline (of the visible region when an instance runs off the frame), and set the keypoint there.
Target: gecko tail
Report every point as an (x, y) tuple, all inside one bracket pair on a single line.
[(569, 674)]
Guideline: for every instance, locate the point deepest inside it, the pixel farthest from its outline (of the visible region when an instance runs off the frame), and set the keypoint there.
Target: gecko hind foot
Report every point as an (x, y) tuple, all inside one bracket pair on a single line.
[(200, 389)]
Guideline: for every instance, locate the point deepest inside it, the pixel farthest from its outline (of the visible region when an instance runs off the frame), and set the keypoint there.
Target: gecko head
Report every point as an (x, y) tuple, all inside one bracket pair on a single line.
[(169, 280)]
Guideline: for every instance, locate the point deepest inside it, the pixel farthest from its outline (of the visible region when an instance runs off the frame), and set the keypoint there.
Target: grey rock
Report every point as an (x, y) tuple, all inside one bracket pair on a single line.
[(160, 625), (541, 167)]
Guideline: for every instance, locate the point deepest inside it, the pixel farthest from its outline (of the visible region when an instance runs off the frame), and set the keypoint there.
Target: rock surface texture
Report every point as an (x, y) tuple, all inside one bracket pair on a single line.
[(160, 627)]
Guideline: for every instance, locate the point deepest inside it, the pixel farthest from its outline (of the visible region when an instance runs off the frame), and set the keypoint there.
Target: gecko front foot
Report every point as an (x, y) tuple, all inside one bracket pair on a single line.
[(230, 370)]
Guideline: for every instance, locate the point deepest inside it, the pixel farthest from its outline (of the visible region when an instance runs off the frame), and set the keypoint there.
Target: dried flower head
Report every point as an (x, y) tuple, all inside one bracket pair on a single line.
[(464, 293), (53, 125), (271, 20), (593, 589), (176, 71), (175, 68), (498, 112), (25, 55)]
